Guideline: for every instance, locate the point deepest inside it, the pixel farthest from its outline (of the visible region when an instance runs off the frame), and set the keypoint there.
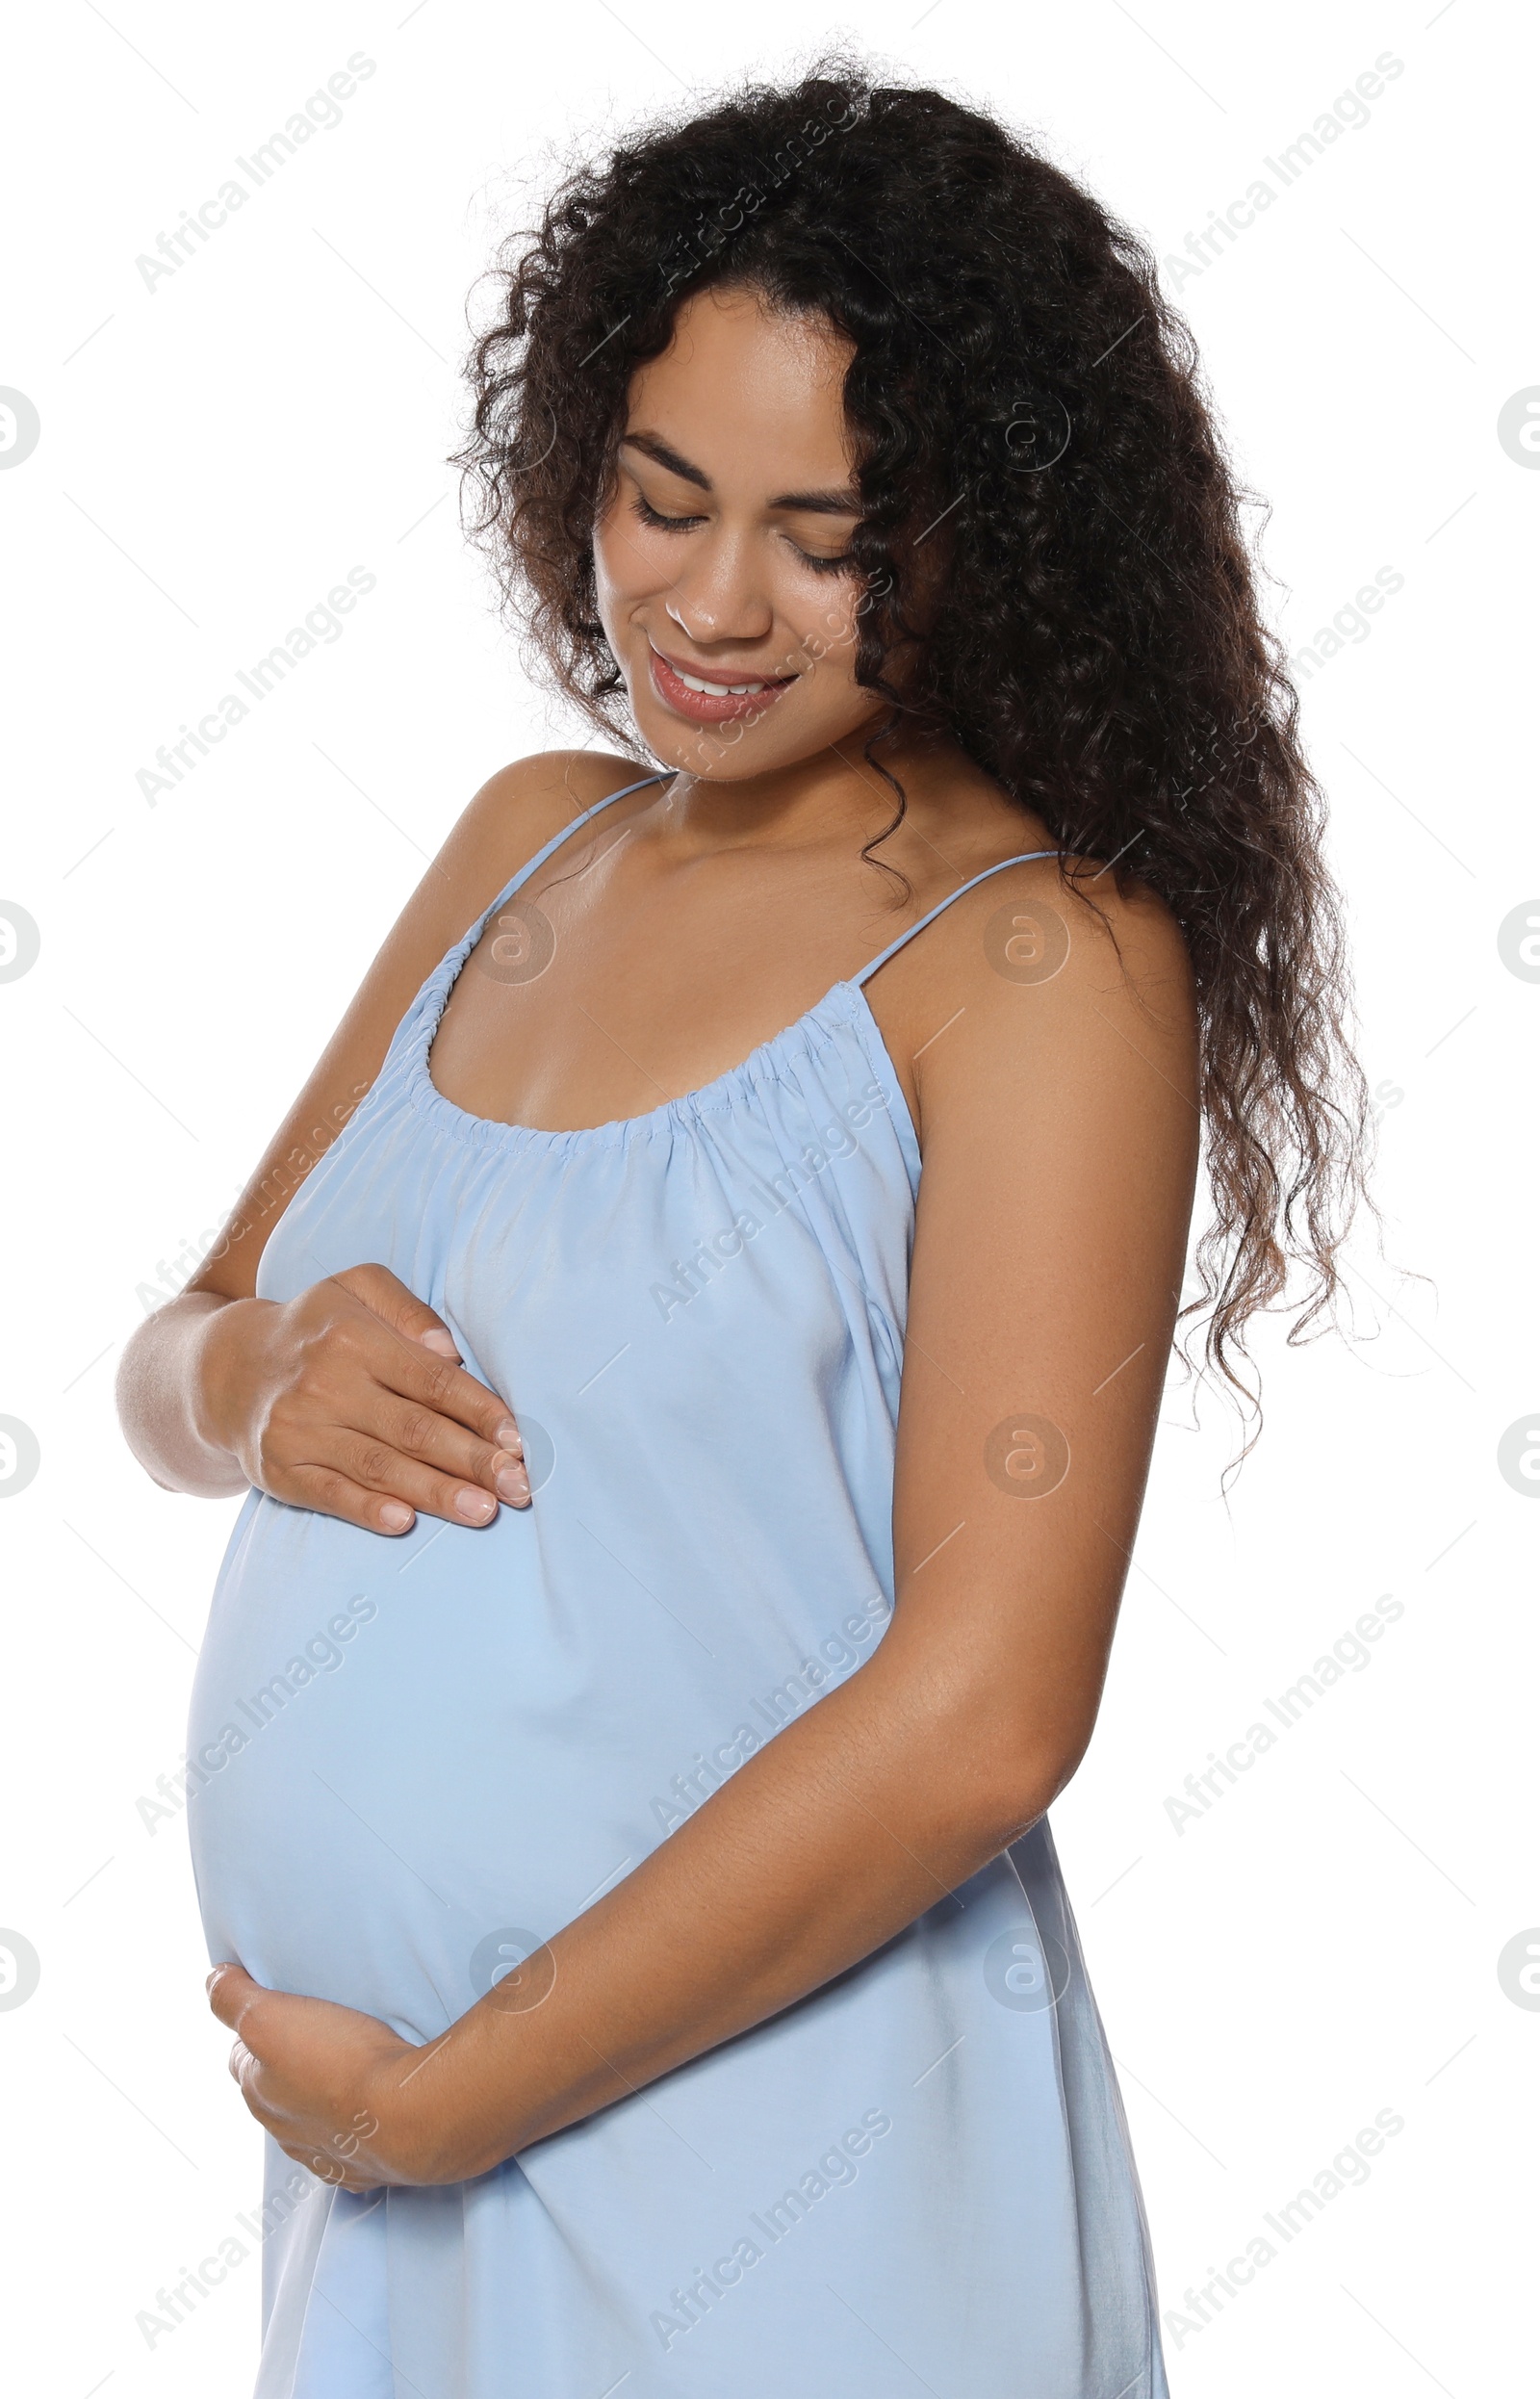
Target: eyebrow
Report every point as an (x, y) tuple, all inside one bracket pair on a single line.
[(844, 503)]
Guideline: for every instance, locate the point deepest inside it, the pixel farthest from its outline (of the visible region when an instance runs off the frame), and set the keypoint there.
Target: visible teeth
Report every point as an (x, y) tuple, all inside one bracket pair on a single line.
[(715, 691)]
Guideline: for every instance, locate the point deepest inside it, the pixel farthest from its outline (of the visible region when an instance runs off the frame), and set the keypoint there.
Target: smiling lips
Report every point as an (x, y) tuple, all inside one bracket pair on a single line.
[(713, 700)]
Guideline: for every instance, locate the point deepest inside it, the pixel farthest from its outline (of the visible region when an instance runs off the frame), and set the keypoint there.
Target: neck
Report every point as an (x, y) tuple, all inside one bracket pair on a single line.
[(828, 797)]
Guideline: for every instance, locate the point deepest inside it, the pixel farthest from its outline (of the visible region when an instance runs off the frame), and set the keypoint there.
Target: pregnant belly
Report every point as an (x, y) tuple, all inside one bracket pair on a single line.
[(404, 1767), (410, 1762)]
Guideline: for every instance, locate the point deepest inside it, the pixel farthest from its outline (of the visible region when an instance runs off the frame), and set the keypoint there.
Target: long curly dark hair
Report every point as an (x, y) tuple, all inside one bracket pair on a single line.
[(1025, 403)]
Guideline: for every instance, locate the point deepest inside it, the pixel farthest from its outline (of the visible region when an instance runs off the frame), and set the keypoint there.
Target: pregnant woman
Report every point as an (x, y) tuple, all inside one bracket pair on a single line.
[(694, 1350)]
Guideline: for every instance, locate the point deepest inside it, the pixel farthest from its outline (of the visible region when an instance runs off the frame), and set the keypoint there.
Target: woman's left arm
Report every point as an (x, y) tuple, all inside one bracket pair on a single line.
[(1060, 1142)]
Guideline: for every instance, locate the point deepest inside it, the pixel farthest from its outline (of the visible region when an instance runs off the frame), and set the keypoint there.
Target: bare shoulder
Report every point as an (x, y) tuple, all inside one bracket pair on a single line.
[(516, 812), (1101, 934), (1049, 978), (556, 783)]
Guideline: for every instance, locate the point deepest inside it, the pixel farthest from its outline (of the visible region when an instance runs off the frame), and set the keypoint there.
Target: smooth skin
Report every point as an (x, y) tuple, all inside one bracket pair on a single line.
[(1059, 1124)]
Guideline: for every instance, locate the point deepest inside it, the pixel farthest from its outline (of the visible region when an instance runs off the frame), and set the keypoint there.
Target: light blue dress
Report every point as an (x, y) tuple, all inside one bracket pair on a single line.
[(412, 1759)]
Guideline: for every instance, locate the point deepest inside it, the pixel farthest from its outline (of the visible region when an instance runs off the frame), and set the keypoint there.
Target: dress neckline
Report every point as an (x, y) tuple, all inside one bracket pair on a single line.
[(845, 1002)]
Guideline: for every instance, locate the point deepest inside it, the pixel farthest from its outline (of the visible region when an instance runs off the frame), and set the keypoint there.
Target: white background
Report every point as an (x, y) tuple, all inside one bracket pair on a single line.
[(216, 454)]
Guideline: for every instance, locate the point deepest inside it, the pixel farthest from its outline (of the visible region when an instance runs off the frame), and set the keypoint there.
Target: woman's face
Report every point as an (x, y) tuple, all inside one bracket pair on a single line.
[(720, 556)]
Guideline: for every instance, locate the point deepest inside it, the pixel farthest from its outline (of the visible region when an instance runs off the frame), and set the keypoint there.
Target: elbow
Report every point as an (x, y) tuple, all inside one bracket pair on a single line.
[(981, 1749), (1017, 1769), (1023, 1798)]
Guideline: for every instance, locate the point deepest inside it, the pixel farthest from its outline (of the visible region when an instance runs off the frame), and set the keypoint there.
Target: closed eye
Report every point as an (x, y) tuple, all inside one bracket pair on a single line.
[(643, 508), (653, 516)]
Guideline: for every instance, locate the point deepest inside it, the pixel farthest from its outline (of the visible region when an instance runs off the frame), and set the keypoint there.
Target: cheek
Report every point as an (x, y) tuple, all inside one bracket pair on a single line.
[(628, 558), (826, 628)]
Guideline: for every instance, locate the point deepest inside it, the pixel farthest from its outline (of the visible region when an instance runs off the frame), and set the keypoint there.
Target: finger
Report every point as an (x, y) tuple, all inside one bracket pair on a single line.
[(395, 1489), (391, 1429), (255, 2085), (328, 1493), (400, 1445), (433, 1440), (416, 1374), (246, 2074), (378, 1467), (231, 1991), (396, 1357), (263, 2021), (401, 1309)]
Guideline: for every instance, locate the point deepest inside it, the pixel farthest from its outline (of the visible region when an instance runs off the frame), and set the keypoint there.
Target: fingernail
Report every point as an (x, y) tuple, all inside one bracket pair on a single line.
[(436, 1339), (475, 1506), (508, 1437), (394, 1516), (511, 1478)]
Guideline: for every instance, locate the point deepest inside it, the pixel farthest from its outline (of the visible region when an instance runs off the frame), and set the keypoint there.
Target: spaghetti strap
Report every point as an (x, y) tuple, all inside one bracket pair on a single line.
[(530, 864), (894, 947)]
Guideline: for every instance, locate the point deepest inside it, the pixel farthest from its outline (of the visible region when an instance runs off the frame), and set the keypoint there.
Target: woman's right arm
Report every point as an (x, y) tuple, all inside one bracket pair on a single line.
[(349, 1399)]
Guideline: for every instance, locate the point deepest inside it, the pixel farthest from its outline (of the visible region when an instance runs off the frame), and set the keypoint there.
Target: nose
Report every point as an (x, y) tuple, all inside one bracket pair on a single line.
[(718, 594)]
